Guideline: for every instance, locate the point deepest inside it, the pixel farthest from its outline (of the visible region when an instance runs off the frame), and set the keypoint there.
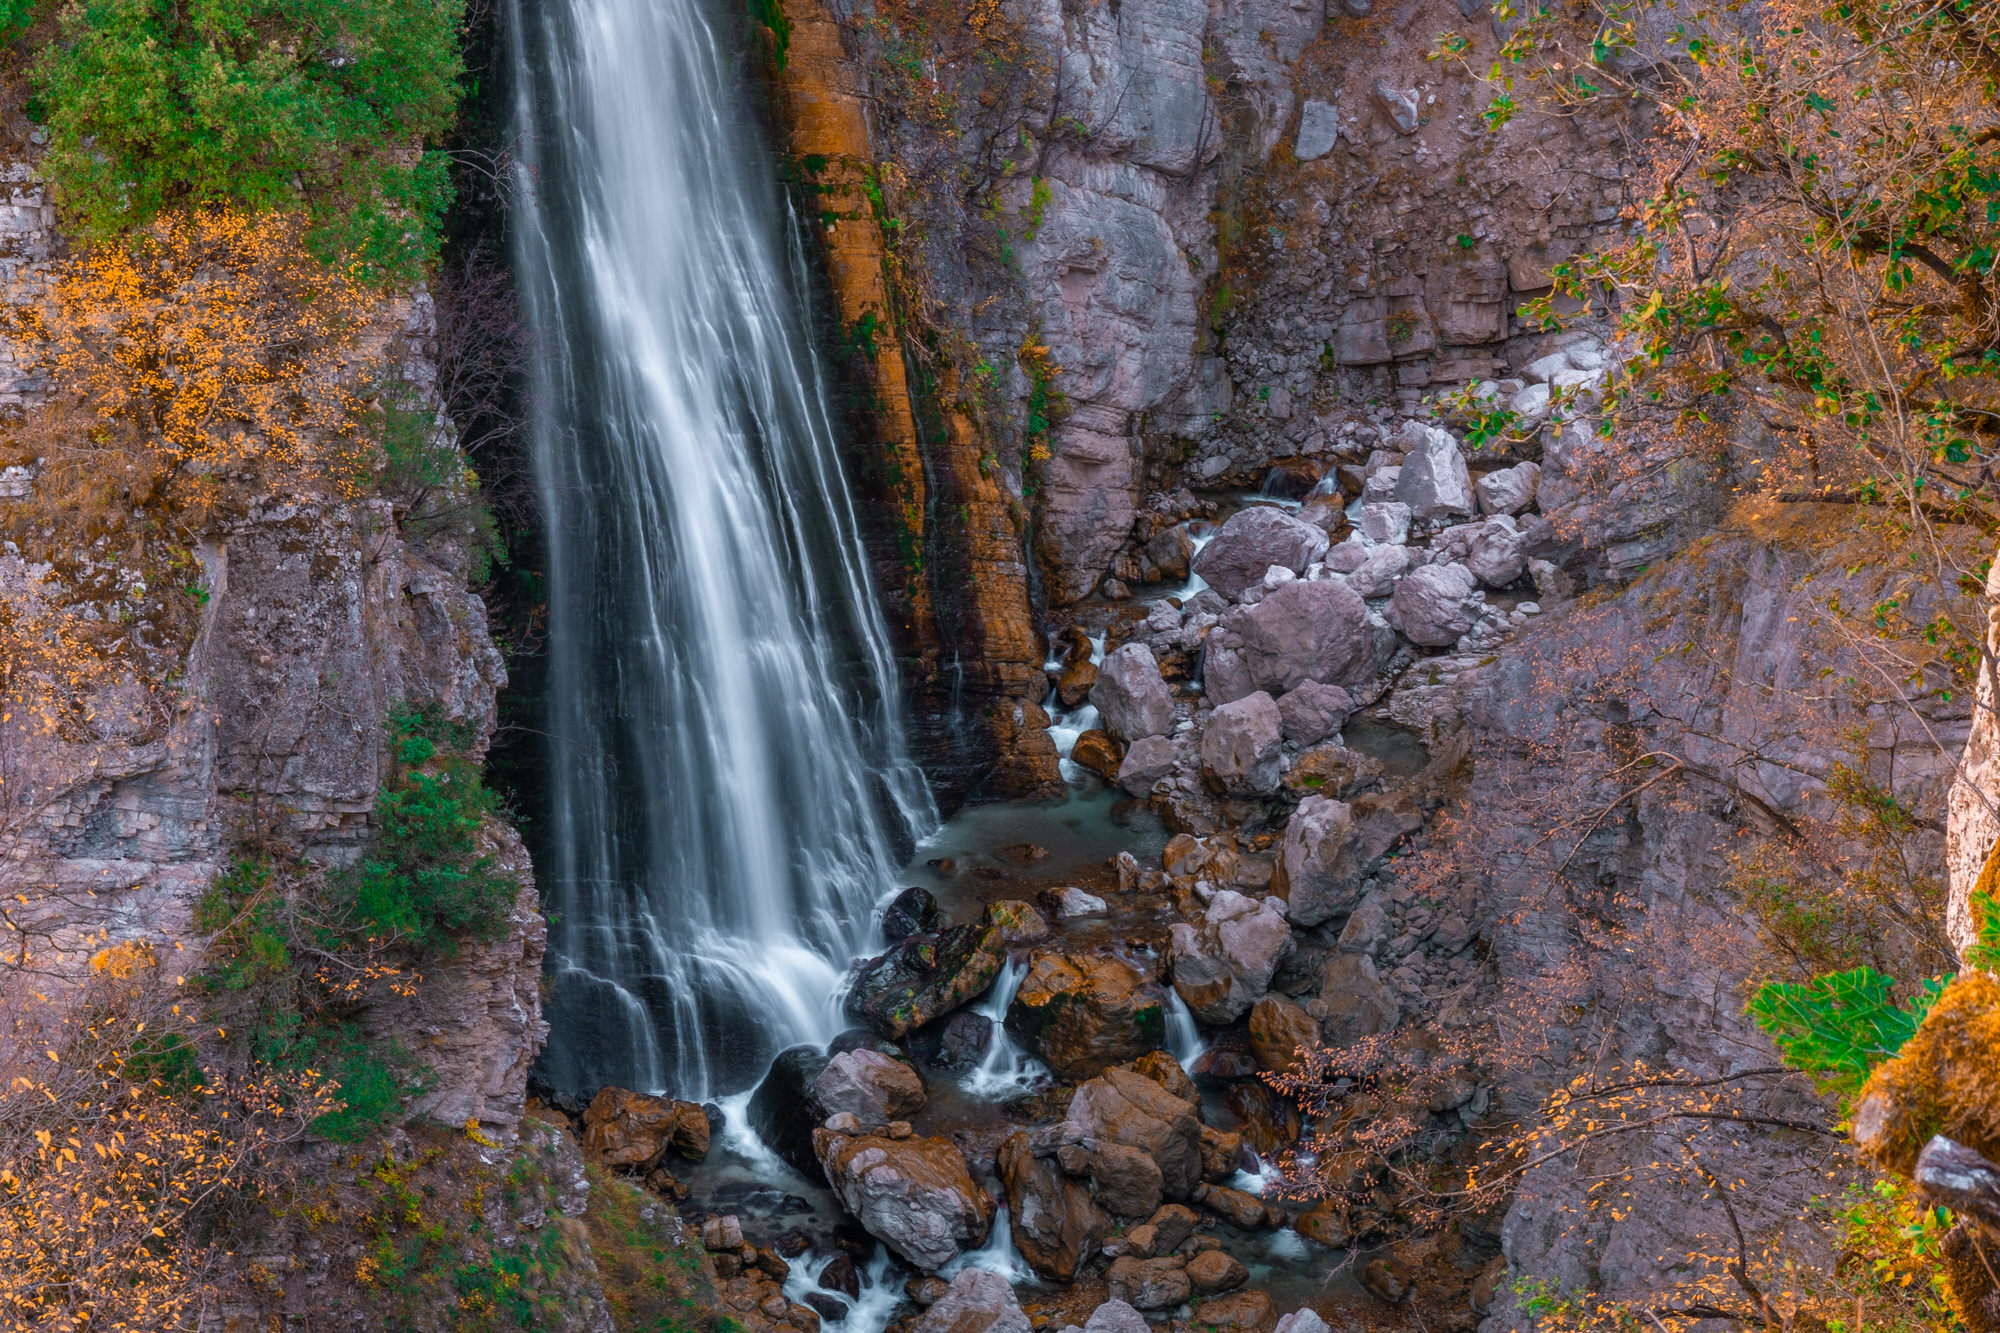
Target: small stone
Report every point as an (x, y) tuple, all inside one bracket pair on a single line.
[(1319, 128)]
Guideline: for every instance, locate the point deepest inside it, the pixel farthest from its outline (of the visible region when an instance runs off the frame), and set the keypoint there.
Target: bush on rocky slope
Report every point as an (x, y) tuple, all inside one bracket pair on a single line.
[(324, 106)]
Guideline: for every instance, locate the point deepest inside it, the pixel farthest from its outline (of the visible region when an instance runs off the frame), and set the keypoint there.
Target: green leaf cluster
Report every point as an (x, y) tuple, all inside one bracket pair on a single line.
[(335, 107), (1839, 1026)]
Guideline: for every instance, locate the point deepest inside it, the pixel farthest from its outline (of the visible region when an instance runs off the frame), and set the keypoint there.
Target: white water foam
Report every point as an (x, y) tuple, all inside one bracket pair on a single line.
[(1007, 1070)]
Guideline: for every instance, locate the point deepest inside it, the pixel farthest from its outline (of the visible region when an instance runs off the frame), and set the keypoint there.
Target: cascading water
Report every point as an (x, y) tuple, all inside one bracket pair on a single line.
[(726, 760)]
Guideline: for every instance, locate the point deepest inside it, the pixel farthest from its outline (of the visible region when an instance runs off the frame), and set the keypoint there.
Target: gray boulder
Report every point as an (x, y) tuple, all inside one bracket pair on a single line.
[(1312, 712), (1254, 540), (1385, 522), (1319, 861), (914, 1195), (875, 1087), (1352, 1002), (1319, 127), (1434, 479), (1429, 605), (1242, 750), (1400, 107), (1301, 1321), (1149, 759), (1378, 573), (1223, 964), (1117, 1317), (977, 1301), (1509, 490), (1305, 630), (1494, 554), (1130, 695)]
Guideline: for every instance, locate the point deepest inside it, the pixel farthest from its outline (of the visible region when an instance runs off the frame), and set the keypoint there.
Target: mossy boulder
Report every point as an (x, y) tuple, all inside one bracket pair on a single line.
[(926, 977), (1083, 1013)]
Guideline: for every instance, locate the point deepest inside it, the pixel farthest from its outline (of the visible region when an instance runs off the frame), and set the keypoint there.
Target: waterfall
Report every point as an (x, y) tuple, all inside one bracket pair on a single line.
[(726, 767)]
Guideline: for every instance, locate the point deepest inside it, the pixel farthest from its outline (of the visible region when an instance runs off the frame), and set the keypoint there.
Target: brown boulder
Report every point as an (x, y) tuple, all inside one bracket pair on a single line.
[(1126, 1181), (1100, 752), (1246, 1310), (1082, 1013), (1073, 686), (1386, 1279), (1221, 1153), (626, 1128), (1325, 1223), (1055, 1225), (1148, 1284), (1278, 1028), (1213, 1270), (1123, 1107), (1166, 1071), (1235, 1206)]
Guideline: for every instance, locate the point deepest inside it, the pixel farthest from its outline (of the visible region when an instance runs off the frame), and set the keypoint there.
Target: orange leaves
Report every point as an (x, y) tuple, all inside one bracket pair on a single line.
[(217, 338)]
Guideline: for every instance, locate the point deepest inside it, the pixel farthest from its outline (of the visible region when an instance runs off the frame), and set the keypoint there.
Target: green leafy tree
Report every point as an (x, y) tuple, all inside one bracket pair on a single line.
[(331, 106)]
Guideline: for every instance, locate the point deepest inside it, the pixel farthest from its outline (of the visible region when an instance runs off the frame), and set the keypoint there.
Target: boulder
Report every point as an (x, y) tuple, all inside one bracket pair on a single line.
[(964, 1042), (1055, 1224), (1148, 1284), (1251, 542), (1384, 523), (1494, 554), (1082, 1013), (1325, 1223), (1352, 1002), (1387, 1279), (912, 1194), (1166, 1071), (1378, 572), (977, 1301), (1213, 1271), (1312, 712), (912, 912), (1100, 752), (1278, 1027), (1509, 490), (1149, 759), (1163, 1232), (1239, 1207), (1125, 1108), (1429, 605), (1434, 480), (926, 977), (626, 1128), (1319, 126), (1130, 695), (1224, 964), (1073, 685), (1383, 819), (875, 1087), (1242, 749), (1017, 922), (784, 1111), (1221, 1153), (1301, 1321), (1169, 552), (1115, 1317), (1305, 630), (1239, 1310), (1319, 862), (1125, 1181), (1070, 901)]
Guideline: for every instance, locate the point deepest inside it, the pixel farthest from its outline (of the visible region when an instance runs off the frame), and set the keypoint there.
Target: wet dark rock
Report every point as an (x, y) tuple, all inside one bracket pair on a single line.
[(925, 977), (912, 912), (784, 1112), (1017, 922), (842, 1275), (825, 1306), (943, 865), (962, 1041), (1100, 752), (792, 1244), (1270, 1121)]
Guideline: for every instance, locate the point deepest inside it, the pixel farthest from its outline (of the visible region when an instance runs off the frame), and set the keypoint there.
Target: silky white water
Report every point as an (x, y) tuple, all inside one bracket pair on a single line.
[(726, 774)]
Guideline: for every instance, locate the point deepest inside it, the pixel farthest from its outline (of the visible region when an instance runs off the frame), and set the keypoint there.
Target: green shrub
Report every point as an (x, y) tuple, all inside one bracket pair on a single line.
[(426, 882), (325, 105), (1839, 1026)]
